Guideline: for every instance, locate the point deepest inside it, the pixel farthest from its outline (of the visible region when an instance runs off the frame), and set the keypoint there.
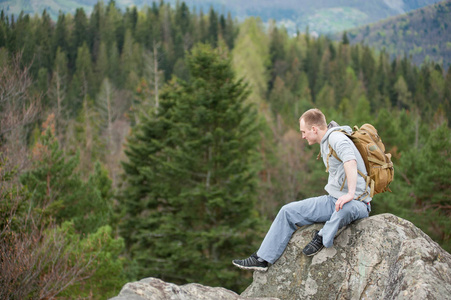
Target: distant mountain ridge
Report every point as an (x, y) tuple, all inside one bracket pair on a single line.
[(422, 34), (417, 28), (320, 16)]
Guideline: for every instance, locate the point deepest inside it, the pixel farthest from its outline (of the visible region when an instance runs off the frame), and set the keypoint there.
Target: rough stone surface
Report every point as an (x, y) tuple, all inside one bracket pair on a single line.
[(381, 257), (156, 289)]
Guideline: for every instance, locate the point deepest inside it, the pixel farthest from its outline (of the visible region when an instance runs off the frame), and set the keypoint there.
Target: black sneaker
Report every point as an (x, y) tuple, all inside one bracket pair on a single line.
[(251, 263), (315, 245)]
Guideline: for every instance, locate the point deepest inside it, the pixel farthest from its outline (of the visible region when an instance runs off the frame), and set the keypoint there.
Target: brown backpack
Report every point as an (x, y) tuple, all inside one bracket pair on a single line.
[(378, 163)]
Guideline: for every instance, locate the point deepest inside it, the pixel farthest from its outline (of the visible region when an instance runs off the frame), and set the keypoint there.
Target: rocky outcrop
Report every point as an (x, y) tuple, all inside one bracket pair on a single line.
[(381, 257), (156, 289)]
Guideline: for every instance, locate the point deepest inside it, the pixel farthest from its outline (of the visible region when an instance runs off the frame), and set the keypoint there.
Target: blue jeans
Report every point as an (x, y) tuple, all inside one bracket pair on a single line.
[(305, 212)]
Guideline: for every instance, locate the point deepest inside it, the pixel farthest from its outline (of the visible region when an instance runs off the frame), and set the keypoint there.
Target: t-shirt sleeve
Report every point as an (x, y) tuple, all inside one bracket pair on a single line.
[(342, 146)]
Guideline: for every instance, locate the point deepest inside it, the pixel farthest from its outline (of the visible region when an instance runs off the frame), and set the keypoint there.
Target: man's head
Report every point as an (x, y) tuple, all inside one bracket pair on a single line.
[(313, 126)]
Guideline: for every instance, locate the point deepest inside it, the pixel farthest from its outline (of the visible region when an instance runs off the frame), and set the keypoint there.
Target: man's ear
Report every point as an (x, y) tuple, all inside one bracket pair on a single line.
[(315, 129)]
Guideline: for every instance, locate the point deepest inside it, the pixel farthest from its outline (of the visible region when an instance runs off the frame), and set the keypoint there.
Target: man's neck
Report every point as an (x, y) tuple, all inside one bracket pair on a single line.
[(321, 134)]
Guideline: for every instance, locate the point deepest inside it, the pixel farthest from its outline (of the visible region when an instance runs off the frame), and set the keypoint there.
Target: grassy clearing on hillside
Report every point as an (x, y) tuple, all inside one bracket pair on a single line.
[(336, 19)]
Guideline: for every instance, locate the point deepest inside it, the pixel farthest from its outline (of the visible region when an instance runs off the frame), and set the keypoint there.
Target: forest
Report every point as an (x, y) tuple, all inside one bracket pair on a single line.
[(161, 142), (420, 34), (323, 17)]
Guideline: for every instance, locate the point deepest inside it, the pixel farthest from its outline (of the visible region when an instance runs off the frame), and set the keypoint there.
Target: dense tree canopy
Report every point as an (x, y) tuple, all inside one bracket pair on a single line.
[(162, 141)]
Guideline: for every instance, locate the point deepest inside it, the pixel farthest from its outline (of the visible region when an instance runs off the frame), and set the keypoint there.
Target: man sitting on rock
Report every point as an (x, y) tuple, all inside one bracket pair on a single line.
[(347, 200)]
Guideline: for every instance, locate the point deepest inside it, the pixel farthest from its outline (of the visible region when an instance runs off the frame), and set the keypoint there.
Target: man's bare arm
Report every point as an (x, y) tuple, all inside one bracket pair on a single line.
[(351, 176)]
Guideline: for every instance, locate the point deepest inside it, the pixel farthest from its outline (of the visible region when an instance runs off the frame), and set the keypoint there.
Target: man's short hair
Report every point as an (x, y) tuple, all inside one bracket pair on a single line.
[(314, 117)]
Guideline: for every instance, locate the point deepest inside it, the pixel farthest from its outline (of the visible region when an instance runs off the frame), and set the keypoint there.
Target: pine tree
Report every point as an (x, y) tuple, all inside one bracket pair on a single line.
[(58, 189), (61, 37), (311, 66), (51, 176), (83, 80), (362, 112), (76, 247), (277, 53), (114, 65), (182, 17), (190, 176), (403, 94), (3, 30), (41, 259), (110, 105), (213, 28), (230, 31), (85, 137), (79, 35), (58, 89), (127, 55), (344, 39), (22, 38), (251, 56), (447, 95), (368, 66), (102, 63), (422, 191), (325, 99)]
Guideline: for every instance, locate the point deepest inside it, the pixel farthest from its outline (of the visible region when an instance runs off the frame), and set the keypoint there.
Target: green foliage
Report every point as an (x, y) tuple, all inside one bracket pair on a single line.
[(42, 259), (322, 16), (353, 85), (12, 198), (109, 43), (195, 191), (251, 57), (82, 83), (421, 189), (191, 178), (59, 194), (51, 178), (422, 33), (100, 253)]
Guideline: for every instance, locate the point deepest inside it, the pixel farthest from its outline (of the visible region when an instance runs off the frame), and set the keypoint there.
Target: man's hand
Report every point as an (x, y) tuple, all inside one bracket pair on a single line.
[(342, 201)]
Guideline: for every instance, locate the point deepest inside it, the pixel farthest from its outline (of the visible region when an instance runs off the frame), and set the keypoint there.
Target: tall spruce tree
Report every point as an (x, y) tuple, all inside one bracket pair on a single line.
[(191, 178)]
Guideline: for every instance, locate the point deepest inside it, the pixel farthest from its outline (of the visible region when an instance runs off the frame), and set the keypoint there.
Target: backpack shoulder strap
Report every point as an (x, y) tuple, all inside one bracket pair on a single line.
[(332, 151)]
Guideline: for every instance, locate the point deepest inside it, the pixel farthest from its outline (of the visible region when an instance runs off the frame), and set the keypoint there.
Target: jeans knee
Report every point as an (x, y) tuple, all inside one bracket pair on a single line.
[(283, 212), (286, 209), (286, 214)]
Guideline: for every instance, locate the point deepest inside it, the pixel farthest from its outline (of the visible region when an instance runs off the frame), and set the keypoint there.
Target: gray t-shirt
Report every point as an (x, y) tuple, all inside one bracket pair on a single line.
[(346, 151)]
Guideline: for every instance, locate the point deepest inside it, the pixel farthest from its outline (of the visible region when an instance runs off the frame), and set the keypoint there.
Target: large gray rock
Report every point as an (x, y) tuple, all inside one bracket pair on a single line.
[(156, 289), (381, 257)]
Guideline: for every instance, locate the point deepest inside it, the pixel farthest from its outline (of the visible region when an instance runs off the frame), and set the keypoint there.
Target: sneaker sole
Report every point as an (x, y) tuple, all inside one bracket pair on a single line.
[(260, 269)]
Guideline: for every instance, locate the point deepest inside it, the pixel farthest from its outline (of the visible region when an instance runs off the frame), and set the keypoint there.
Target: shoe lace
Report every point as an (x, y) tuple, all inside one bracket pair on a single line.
[(250, 261), (317, 241)]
